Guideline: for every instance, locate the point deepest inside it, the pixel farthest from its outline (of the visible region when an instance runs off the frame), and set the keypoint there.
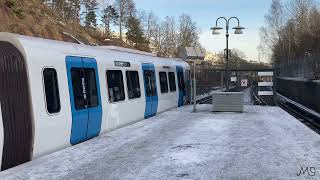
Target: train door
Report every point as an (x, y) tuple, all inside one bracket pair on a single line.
[(188, 86), (85, 98), (150, 90), (181, 85)]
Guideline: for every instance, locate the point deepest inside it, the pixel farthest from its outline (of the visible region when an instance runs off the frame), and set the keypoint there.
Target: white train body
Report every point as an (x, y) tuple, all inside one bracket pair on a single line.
[(40, 132)]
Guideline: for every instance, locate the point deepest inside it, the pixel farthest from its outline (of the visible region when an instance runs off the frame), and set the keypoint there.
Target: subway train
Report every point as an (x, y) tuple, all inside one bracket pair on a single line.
[(56, 94)]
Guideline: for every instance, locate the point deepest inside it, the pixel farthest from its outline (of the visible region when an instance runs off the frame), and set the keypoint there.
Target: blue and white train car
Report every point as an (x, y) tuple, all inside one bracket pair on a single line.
[(56, 94)]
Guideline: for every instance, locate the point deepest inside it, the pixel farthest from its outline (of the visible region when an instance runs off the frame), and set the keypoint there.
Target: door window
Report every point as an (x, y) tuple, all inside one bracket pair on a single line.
[(78, 86), (181, 81), (150, 82), (84, 88), (91, 87)]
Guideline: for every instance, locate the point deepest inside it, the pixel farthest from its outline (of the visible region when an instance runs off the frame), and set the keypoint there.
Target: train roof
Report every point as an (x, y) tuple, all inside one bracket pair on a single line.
[(28, 45)]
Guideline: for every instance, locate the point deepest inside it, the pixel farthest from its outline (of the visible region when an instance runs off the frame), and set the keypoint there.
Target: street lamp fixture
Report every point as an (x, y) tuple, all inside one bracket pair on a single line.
[(216, 30), (238, 30)]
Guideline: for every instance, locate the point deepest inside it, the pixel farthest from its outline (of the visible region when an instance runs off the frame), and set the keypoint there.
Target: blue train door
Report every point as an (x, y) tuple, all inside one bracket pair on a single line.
[(150, 90), (85, 98), (181, 85)]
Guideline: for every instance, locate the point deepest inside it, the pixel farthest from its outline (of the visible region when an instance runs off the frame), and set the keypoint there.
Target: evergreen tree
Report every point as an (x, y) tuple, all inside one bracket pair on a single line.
[(135, 34), (75, 10), (66, 9), (110, 15), (59, 7), (90, 13)]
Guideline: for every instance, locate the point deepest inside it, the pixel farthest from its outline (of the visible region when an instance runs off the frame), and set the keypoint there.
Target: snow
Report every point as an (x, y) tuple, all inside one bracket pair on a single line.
[(247, 96), (261, 143)]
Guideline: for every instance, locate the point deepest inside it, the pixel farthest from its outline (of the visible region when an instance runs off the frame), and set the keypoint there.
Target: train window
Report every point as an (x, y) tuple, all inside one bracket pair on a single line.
[(51, 90), (150, 83), (172, 81), (133, 84), (163, 82), (115, 85)]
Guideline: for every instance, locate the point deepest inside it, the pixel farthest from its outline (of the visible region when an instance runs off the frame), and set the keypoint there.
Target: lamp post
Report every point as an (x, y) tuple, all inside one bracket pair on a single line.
[(216, 31)]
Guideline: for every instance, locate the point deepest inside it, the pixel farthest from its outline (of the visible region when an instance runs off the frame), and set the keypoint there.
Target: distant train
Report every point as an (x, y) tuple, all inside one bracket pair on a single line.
[(56, 94)]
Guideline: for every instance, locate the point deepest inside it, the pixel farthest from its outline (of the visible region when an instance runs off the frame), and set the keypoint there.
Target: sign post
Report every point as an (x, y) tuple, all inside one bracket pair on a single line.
[(193, 55), (194, 87)]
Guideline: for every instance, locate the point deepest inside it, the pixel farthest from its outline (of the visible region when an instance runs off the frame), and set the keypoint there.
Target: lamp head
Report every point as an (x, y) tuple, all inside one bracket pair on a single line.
[(238, 30), (216, 30)]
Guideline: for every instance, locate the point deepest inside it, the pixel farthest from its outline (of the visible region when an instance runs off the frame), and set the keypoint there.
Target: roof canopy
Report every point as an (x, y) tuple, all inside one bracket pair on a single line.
[(191, 53)]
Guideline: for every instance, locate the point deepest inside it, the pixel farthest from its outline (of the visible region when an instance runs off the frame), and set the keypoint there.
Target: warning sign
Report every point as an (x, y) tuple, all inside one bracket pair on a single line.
[(244, 82)]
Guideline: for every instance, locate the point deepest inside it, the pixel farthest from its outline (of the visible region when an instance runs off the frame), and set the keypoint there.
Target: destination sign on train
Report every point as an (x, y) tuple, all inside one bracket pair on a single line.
[(122, 64)]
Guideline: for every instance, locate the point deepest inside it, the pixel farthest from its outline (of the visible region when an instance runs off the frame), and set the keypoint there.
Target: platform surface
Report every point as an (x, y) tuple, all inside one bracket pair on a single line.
[(261, 143)]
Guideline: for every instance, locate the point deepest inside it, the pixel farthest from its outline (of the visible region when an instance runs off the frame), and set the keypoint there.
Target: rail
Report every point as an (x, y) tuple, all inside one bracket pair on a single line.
[(305, 115)]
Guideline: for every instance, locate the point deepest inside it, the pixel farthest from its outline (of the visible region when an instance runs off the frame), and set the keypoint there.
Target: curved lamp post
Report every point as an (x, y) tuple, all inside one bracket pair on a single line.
[(238, 30)]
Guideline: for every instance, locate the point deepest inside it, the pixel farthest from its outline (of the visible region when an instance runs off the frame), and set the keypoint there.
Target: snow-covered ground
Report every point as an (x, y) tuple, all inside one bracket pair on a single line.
[(247, 96), (261, 143)]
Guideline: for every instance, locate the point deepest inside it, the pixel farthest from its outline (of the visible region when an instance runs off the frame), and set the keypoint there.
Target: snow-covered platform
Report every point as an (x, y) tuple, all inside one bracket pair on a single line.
[(261, 143)]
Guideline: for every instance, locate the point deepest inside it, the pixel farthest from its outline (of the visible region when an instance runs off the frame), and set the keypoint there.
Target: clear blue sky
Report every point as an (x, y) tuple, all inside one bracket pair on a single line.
[(204, 13)]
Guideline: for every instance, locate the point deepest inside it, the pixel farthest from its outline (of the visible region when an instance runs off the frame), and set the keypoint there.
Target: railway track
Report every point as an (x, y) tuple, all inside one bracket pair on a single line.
[(310, 120)]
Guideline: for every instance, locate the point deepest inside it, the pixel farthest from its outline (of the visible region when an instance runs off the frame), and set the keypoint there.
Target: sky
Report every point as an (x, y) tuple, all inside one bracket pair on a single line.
[(205, 12)]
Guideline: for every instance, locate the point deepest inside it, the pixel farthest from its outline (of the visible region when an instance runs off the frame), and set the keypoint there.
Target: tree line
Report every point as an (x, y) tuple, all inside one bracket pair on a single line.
[(292, 29), (144, 30)]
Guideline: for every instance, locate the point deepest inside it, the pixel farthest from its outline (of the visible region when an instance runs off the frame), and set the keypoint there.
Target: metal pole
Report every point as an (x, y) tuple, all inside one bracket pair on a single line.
[(227, 59), (221, 79), (194, 88)]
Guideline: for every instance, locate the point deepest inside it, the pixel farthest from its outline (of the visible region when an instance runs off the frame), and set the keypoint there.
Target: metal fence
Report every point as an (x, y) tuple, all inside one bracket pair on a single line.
[(307, 66), (207, 79)]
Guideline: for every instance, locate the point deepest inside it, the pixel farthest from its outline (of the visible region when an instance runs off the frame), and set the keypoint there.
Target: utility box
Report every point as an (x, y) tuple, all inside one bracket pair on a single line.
[(227, 102)]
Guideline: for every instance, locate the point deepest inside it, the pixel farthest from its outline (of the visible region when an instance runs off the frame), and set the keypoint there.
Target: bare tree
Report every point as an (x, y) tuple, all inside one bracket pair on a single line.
[(170, 37), (142, 16), (188, 31), (149, 22), (274, 22), (125, 9), (152, 22), (295, 38)]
